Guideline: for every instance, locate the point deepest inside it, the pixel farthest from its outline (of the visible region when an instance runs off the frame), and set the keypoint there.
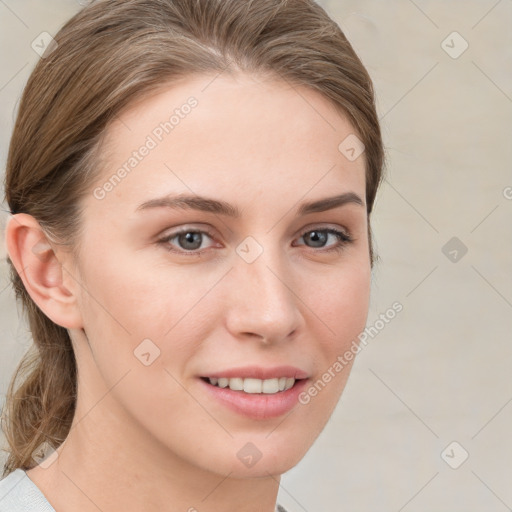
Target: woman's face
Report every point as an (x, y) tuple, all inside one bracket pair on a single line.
[(256, 291)]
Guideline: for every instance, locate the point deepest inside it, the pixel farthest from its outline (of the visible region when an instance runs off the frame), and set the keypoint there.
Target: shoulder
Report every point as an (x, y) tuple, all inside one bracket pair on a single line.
[(19, 494)]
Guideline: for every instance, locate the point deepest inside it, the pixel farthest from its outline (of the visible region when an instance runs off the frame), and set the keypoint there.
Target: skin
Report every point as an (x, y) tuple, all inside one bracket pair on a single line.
[(149, 437)]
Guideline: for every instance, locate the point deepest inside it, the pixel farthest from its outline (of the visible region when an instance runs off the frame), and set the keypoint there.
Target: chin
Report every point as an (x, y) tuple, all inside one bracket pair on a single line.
[(261, 469), (263, 455)]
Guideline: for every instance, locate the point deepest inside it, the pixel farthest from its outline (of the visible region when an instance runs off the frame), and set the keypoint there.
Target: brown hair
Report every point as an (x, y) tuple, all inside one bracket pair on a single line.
[(106, 56)]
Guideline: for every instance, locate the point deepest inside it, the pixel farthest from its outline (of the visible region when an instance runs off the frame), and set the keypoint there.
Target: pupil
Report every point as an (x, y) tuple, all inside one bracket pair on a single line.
[(316, 236), (190, 237)]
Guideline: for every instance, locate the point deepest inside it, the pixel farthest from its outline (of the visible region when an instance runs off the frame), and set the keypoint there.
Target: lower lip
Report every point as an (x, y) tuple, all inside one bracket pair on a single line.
[(259, 406)]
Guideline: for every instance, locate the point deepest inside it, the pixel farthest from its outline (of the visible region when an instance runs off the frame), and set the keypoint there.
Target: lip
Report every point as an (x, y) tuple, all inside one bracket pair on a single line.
[(258, 406), (259, 372)]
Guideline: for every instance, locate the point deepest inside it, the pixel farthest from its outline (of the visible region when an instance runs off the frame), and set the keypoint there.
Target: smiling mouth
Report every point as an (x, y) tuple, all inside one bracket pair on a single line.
[(253, 386)]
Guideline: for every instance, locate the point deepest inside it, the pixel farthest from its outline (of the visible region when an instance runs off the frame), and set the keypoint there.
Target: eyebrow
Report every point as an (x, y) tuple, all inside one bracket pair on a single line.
[(206, 204)]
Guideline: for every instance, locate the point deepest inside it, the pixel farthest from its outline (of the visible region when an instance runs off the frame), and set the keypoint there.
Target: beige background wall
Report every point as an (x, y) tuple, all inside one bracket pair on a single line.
[(440, 371)]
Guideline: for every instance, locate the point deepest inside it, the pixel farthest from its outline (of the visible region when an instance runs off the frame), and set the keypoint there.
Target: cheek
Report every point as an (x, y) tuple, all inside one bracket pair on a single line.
[(129, 300), (133, 298), (340, 303), (340, 308)]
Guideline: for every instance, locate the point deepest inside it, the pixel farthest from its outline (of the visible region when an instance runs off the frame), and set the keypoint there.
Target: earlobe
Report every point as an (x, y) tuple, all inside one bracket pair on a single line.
[(39, 265)]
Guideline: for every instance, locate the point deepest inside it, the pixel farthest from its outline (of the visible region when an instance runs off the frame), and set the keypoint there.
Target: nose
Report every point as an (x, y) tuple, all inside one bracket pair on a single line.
[(262, 301)]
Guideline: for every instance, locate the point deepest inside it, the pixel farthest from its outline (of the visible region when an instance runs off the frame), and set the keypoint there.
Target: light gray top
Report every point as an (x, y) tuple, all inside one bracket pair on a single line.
[(19, 494)]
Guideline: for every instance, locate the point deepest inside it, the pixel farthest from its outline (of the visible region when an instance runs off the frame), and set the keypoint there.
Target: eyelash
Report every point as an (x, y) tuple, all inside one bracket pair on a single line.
[(343, 240)]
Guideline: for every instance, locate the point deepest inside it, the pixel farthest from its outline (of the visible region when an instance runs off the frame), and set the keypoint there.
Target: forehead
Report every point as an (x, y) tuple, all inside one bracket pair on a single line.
[(228, 134)]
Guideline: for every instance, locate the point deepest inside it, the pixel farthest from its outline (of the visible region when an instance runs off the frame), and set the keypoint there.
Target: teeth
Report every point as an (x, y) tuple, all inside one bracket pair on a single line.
[(236, 384), (252, 386), (270, 386)]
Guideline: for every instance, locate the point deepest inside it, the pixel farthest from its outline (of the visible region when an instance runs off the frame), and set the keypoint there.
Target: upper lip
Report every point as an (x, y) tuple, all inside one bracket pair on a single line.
[(259, 372)]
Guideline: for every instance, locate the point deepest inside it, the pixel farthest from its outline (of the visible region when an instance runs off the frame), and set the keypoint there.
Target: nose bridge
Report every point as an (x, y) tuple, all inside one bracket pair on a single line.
[(263, 302)]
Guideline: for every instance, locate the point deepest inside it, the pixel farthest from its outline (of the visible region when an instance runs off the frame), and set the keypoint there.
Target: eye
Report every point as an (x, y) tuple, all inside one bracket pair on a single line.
[(319, 237), (188, 241)]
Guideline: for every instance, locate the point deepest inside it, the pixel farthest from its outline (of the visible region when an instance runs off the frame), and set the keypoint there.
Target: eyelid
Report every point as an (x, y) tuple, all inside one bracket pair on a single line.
[(324, 227), (185, 228)]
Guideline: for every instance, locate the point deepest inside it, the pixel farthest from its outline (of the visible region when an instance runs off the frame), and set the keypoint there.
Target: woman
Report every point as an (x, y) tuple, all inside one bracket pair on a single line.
[(190, 184)]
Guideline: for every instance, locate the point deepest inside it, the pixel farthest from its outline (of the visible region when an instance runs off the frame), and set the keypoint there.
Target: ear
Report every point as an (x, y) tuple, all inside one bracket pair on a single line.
[(41, 268)]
